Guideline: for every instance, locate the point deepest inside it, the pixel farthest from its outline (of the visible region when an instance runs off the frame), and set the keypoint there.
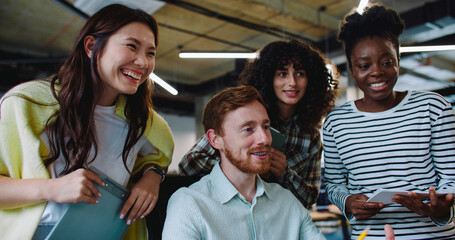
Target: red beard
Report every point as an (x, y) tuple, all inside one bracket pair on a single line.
[(248, 166)]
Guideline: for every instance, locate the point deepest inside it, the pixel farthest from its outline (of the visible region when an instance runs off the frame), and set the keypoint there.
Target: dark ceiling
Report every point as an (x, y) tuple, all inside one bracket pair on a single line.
[(36, 35)]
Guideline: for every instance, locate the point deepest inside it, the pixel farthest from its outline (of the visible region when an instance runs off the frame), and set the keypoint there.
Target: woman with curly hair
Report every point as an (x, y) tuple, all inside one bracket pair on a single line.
[(389, 140), (299, 90), (96, 112)]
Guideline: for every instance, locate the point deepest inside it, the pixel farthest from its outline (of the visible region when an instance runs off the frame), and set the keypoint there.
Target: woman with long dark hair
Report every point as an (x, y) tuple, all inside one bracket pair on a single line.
[(95, 112)]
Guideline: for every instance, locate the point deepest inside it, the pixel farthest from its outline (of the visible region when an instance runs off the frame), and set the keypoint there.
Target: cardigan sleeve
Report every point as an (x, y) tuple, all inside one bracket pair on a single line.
[(22, 121), (160, 136), (21, 150)]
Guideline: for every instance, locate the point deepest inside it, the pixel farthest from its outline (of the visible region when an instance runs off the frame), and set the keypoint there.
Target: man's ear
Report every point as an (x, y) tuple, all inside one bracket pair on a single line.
[(214, 139), (89, 43)]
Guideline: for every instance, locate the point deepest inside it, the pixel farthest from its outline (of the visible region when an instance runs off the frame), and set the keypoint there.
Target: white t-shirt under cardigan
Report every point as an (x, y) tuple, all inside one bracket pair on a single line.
[(111, 133), (409, 147)]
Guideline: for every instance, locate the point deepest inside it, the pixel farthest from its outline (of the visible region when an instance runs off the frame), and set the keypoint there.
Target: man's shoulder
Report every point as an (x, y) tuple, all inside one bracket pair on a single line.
[(283, 195), (199, 189), (274, 188)]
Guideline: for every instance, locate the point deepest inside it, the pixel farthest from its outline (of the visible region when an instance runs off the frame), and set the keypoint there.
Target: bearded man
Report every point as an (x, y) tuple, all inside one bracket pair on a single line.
[(232, 202)]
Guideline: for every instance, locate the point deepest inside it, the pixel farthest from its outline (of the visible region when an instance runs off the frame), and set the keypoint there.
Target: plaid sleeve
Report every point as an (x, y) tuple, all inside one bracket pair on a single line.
[(303, 174), (200, 159)]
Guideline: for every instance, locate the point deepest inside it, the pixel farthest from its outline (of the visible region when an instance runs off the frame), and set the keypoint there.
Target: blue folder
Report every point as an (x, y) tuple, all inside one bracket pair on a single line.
[(95, 221)]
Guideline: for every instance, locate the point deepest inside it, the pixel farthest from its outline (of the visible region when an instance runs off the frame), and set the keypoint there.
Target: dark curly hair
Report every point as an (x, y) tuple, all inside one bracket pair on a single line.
[(376, 21), (322, 87)]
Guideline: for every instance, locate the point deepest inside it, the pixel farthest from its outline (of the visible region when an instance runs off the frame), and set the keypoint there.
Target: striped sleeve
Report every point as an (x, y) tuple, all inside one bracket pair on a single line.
[(443, 148), (335, 174)]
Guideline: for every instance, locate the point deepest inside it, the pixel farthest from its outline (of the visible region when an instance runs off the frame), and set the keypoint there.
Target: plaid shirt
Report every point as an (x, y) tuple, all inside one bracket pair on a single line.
[(303, 152)]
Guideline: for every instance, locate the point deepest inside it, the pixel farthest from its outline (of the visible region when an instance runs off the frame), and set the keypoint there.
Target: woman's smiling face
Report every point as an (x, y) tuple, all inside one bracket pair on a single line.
[(289, 85), (126, 61), (375, 68)]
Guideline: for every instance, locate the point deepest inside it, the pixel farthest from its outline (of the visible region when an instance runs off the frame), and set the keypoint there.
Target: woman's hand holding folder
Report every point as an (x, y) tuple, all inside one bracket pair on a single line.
[(78, 186), (143, 197)]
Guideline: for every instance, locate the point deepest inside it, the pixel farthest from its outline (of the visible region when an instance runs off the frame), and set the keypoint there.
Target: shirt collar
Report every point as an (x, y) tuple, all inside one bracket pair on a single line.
[(224, 188), (261, 188)]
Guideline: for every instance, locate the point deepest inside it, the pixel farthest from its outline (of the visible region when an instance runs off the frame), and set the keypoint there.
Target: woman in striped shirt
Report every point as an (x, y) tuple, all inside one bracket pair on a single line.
[(389, 139)]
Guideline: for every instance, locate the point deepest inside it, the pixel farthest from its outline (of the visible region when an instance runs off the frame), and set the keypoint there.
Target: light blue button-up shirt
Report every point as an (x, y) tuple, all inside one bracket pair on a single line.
[(213, 209)]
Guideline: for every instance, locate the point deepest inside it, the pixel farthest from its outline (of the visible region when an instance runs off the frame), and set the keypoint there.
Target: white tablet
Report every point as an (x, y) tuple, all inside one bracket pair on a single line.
[(385, 195)]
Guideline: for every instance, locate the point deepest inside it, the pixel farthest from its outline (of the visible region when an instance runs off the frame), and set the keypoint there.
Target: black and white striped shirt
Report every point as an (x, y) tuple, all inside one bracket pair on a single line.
[(409, 147)]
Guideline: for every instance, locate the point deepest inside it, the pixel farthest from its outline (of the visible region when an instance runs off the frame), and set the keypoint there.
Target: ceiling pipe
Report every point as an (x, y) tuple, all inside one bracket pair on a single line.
[(70, 7), (207, 37), (254, 26)]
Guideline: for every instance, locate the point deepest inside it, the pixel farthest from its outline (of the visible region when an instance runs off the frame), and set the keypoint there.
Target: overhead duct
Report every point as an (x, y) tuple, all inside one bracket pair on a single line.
[(433, 20)]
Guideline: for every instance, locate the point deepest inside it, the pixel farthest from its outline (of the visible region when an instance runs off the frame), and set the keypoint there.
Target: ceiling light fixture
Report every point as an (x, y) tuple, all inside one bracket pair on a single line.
[(427, 48), (362, 5), (163, 84), (217, 55)]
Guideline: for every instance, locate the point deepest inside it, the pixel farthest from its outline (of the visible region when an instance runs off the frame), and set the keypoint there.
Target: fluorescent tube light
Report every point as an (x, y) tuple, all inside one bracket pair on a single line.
[(427, 48), (362, 5), (216, 55), (163, 84)]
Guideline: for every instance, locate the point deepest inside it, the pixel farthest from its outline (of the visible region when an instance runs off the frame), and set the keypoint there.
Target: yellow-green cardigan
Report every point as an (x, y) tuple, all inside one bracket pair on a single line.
[(21, 151)]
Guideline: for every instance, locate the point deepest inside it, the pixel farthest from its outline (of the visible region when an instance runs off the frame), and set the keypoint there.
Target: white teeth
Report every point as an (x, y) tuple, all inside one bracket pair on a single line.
[(260, 153), (290, 92), (377, 84), (132, 75)]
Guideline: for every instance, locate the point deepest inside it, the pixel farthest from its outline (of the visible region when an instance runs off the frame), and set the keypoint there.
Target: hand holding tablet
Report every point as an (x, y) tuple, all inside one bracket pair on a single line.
[(385, 195)]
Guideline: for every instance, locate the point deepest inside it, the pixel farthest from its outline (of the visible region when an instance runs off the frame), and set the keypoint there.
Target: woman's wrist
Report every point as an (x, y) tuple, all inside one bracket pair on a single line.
[(156, 170)]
